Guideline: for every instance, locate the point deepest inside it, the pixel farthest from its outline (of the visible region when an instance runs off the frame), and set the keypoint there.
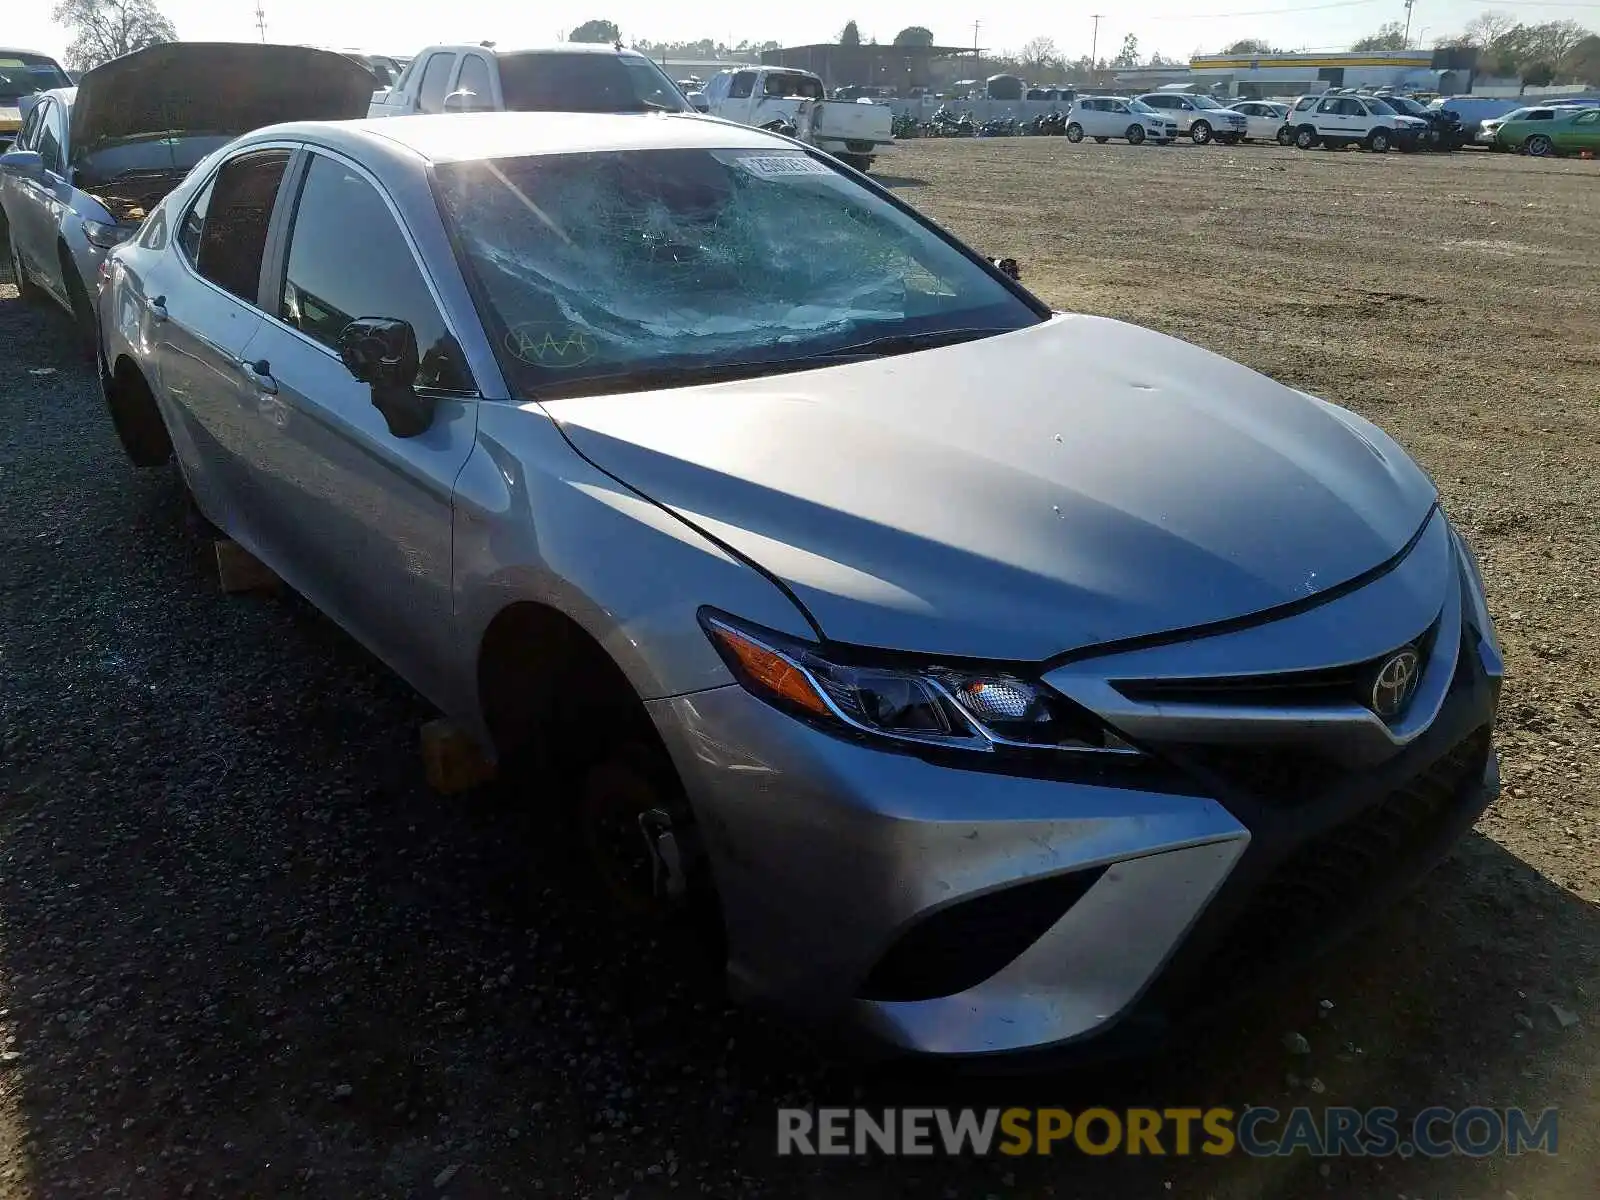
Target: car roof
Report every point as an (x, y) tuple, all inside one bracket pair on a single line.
[(468, 137), (556, 48)]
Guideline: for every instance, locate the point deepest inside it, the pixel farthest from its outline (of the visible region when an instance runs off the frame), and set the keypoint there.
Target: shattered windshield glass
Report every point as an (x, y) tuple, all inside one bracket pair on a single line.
[(616, 271)]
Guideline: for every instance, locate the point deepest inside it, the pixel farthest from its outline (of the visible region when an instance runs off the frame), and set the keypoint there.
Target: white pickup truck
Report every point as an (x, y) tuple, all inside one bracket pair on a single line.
[(572, 77), (792, 102)]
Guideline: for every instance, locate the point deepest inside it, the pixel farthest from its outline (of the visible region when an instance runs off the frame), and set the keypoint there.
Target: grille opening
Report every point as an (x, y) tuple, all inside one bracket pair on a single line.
[(1323, 687), (960, 946), (1318, 887)]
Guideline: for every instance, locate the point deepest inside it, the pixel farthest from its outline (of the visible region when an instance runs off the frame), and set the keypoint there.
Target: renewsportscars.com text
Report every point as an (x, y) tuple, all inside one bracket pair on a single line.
[(1259, 1132)]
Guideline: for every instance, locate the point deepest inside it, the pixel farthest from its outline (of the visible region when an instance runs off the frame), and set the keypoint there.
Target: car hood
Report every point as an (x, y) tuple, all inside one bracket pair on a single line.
[(214, 88), (1077, 482)]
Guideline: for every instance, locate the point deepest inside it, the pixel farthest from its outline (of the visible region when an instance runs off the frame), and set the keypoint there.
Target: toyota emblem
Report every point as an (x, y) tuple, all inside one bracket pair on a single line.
[(1395, 681)]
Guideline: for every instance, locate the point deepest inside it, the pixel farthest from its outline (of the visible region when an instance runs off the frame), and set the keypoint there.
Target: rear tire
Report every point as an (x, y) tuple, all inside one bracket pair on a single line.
[(1286, 136), (1074, 132), (1306, 138), (29, 291), (135, 417)]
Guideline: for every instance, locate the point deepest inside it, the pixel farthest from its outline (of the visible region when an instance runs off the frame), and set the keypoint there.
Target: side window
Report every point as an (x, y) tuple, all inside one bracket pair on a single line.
[(475, 78), (1543, 114), (333, 278), (154, 234), (1589, 118), (29, 137), (435, 78), (742, 85), (50, 137), (225, 232), (1330, 105)]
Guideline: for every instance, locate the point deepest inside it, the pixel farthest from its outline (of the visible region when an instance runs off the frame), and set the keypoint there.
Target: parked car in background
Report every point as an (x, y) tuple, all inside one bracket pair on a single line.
[(1474, 110), (93, 161), (1264, 120), (1200, 117), (1547, 132), (1488, 132), (674, 530), (791, 101), (1336, 121), (1444, 130), (1107, 117), (23, 76), (571, 77)]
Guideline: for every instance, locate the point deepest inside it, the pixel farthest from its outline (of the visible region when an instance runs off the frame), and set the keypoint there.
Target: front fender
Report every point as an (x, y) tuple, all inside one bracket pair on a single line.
[(535, 521)]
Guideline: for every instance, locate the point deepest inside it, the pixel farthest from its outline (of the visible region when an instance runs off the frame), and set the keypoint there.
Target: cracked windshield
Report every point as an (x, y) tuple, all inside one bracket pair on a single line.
[(620, 271)]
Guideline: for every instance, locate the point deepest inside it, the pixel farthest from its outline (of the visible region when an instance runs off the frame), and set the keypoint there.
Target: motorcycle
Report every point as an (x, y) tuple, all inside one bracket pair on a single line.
[(946, 124), (998, 127), (905, 126), (1048, 125)]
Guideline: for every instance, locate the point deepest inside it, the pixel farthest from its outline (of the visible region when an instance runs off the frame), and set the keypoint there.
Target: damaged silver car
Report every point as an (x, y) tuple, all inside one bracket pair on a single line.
[(1003, 679), (91, 161)]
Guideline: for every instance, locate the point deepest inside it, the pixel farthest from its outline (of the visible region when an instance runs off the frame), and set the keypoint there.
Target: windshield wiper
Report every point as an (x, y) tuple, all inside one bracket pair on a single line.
[(906, 343)]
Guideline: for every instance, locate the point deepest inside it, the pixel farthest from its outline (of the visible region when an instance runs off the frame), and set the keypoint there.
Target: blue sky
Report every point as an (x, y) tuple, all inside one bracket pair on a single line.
[(1174, 27)]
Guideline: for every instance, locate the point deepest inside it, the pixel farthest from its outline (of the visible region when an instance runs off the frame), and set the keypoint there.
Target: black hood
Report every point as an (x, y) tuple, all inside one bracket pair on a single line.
[(197, 89)]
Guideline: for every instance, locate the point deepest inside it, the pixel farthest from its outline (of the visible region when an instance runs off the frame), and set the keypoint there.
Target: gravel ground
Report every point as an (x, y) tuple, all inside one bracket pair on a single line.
[(245, 952)]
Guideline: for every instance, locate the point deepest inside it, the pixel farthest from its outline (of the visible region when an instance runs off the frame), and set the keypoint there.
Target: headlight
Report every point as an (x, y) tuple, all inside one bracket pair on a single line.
[(966, 708), (106, 236)]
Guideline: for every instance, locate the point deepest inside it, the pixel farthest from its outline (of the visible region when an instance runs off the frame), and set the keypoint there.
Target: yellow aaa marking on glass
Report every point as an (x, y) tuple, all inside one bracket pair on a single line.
[(552, 346)]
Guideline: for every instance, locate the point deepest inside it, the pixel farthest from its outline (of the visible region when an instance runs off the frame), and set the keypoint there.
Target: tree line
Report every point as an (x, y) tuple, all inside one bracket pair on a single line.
[(1538, 53)]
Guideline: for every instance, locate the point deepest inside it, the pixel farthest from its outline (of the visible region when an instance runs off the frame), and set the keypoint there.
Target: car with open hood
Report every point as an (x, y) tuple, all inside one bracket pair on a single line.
[(92, 161), (994, 678)]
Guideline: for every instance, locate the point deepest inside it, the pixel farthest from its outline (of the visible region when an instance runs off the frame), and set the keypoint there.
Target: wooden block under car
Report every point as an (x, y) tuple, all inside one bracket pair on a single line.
[(240, 571), (453, 761)]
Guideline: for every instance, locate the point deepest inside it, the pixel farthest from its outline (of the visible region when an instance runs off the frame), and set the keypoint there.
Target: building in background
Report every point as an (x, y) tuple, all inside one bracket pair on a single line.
[(1445, 70)]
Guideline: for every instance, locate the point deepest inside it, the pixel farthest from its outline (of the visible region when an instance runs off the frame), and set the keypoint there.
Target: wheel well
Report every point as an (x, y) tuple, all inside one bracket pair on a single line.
[(550, 692)]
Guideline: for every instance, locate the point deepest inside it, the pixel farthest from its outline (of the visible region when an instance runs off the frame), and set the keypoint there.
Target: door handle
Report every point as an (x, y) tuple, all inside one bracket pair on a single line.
[(259, 373), (157, 308)]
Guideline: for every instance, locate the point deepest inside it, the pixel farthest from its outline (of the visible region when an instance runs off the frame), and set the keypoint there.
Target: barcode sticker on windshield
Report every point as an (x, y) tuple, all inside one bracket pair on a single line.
[(769, 167)]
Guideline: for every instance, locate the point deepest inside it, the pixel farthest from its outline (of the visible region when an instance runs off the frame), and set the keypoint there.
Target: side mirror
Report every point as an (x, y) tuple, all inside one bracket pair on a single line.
[(463, 101), (1008, 267), (382, 352), (24, 164)]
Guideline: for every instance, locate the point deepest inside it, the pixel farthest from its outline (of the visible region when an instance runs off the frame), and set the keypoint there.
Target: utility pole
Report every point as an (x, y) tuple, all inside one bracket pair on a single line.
[(976, 60), (1409, 3), (261, 21), (1094, 45)]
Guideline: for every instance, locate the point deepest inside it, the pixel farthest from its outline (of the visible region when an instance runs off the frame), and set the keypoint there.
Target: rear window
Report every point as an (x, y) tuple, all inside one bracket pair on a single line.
[(24, 74), (587, 82)]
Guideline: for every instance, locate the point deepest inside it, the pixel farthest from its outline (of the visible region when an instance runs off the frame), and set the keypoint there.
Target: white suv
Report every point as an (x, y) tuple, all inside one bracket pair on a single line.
[(1201, 117), (1337, 121), (1106, 117)]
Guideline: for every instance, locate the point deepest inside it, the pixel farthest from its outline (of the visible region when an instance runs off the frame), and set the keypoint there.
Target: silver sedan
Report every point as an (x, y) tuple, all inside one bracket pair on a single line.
[(1000, 679)]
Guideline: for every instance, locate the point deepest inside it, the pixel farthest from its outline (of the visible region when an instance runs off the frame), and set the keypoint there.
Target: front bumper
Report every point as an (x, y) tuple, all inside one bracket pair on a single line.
[(966, 912)]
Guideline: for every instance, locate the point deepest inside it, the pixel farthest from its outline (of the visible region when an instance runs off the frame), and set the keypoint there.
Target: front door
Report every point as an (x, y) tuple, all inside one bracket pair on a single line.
[(362, 525)]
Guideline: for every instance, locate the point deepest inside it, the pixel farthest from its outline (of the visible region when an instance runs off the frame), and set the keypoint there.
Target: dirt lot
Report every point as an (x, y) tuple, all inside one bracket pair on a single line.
[(244, 952)]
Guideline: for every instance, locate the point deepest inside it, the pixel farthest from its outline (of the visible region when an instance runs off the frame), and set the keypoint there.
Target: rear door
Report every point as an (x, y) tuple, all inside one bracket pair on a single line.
[(203, 300), (361, 520)]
